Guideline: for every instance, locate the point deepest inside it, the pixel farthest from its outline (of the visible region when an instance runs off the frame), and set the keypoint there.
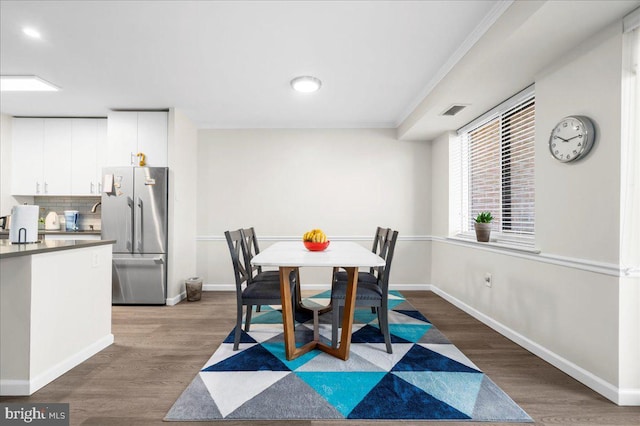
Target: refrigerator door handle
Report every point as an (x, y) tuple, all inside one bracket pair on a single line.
[(139, 227), (129, 224)]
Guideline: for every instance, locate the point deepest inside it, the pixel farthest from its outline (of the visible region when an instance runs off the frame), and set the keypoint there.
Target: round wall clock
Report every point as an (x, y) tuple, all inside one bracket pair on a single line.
[(572, 138)]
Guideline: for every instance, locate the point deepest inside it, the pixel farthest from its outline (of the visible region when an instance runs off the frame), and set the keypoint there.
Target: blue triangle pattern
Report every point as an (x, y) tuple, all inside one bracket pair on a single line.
[(460, 390), (411, 332), (277, 349), (255, 358), (419, 358), (244, 337), (343, 390), (393, 398), (392, 303), (370, 334)]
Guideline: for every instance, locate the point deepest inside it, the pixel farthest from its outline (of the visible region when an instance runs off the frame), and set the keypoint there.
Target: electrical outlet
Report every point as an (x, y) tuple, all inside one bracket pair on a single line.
[(488, 280)]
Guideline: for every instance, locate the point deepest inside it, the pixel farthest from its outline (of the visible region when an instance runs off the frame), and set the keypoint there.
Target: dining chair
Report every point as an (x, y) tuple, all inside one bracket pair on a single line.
[(256, 293), (379, 247), (368, 294), (251, 244), (255, 273)]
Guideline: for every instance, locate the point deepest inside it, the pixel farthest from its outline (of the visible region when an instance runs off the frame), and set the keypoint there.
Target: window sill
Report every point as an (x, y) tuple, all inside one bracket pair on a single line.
[(496, 245)]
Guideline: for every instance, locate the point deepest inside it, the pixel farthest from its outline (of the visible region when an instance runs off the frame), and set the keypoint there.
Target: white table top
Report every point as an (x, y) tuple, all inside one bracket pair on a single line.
[(339, 253)]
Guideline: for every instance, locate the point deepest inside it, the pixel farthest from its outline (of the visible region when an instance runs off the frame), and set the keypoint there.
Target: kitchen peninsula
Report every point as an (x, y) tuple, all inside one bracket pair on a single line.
[(55, 309)]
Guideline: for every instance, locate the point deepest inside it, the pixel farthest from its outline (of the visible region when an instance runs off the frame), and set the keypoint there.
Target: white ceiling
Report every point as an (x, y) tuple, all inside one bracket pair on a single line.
[(227, 64)]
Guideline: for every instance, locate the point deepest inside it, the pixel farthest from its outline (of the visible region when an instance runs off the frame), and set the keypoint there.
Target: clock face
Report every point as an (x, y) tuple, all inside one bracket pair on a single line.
[(572, 138)]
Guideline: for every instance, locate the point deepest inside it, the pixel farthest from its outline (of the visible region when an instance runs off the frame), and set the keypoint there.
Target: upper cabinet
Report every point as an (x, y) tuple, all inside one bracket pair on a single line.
[(65, 156), (132, 132), (88, 152), (41, 156), (57, 156)]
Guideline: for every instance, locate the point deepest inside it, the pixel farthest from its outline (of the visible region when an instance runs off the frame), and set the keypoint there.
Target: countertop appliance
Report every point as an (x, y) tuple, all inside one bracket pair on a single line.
[(24, 224), (134, 213), (71, 218), (51, 222)]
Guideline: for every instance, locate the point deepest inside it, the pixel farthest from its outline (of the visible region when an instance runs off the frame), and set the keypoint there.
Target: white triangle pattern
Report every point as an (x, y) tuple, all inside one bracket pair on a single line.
[(328, 363), (376, 353), (229, 389)]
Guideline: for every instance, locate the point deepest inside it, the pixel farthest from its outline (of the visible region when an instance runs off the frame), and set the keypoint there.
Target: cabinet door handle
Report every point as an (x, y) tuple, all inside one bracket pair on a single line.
[(91, 188), (46, 188), (99, 187), (132, 160), (37, 187)]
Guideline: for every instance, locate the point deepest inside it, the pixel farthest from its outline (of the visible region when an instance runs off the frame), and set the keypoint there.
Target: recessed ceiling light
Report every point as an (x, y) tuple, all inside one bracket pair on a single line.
[(306, 84), (25, 83), (31, 32)]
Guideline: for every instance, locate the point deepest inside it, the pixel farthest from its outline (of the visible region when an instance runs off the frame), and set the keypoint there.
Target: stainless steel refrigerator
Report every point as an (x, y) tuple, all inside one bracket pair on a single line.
[(134, 214)]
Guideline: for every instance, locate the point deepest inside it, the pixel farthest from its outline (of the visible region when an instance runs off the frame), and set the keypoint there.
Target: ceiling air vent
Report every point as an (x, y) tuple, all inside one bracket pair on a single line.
[(454, 109)]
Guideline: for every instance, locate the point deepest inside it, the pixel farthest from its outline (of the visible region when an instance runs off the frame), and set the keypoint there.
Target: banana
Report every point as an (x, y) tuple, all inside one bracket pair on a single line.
[(315, 235)]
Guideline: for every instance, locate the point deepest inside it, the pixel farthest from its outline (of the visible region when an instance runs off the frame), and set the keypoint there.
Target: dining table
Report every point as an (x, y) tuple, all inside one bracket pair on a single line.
[(292, 255)]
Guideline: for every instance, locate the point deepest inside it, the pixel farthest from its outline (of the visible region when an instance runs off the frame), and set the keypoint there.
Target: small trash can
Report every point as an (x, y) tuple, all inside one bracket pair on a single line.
[(194, 288)]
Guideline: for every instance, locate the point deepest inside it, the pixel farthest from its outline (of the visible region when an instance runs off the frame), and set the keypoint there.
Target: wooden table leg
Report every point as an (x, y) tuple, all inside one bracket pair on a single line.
[(342, 351), (288, 318)]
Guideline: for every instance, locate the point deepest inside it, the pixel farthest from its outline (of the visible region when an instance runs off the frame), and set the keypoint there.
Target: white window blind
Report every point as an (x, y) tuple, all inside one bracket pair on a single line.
[(495, 165)]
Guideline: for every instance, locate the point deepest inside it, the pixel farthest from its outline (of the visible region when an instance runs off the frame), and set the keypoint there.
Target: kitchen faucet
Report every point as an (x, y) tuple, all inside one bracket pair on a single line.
[(95, 206)]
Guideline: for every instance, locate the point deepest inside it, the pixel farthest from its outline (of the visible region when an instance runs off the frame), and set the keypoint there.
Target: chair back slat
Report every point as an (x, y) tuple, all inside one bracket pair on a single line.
[(251, 248), (380, 246), (383, 275), (236, 249)]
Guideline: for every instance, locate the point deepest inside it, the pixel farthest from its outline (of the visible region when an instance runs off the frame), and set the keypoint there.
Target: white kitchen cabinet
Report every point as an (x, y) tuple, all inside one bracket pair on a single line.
[(41, 156), (88, 148), (56, 164), (27, 154), (132, 132)]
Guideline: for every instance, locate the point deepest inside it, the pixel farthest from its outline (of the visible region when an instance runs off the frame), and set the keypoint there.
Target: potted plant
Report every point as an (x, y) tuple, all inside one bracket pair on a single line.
[(482, 226)]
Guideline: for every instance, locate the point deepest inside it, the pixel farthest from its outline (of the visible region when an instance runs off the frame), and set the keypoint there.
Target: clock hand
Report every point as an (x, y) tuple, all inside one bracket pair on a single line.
[(565, 140), (572, 138)]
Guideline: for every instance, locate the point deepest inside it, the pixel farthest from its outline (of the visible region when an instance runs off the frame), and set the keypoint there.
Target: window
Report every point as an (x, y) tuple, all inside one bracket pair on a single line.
[(492, 167)]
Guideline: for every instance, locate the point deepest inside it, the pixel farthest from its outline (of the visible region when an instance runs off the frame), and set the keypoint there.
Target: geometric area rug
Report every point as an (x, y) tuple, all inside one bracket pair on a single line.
[(426, 377)]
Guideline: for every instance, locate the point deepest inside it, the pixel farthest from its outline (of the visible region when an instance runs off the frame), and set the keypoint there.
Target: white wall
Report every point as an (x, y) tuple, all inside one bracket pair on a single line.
[(182, 150), (568, 304), (285, 182)]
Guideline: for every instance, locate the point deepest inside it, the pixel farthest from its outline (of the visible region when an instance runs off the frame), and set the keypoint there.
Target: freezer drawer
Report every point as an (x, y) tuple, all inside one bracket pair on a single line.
[(139, 279)]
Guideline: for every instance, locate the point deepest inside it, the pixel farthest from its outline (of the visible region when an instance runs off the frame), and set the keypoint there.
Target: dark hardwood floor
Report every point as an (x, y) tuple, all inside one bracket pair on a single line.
[(159, 350)]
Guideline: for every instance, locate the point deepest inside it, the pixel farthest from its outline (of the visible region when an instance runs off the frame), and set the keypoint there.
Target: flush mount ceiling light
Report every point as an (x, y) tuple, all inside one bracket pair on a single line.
[(31, 32), (306, 84), (25, 83)]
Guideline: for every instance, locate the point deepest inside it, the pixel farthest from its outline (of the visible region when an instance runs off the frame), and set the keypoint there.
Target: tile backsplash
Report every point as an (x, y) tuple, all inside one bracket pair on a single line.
[(82, 204)]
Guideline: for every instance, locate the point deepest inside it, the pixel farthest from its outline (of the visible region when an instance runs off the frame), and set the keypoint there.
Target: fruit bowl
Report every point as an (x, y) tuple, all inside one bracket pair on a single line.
[(311, 246)]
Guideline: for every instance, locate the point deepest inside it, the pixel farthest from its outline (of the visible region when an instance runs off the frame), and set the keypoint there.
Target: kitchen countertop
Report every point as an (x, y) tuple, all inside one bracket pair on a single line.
[(60, 232), (12, 250)]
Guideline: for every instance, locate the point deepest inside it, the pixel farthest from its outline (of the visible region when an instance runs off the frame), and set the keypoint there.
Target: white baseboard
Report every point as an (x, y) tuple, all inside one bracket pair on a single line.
[(606, 389), (176, 299), (28, 387)]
